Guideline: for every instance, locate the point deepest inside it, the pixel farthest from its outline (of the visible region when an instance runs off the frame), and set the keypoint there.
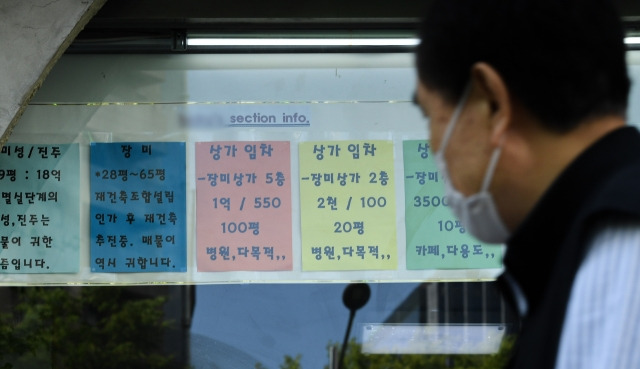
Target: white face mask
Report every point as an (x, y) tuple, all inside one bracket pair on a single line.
[(477, 213)]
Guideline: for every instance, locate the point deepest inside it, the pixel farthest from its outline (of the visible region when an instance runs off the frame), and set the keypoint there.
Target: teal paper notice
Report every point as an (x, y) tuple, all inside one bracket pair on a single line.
[(39, 206), (435, 238)]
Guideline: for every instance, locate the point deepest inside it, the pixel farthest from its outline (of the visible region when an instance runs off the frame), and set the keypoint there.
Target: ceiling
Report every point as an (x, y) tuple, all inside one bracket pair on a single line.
[(145, 13), (156, 25), (203, 13)]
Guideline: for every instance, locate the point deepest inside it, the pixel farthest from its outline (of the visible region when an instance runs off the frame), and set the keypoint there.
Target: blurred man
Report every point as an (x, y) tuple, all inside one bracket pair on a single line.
[(526, 101)]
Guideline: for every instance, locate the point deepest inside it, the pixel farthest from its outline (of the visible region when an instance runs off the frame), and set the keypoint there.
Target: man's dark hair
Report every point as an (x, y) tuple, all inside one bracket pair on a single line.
[(564, 60)]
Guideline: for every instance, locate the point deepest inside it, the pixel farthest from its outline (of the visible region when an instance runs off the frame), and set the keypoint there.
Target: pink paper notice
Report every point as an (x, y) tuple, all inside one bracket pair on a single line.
[(243, 216)]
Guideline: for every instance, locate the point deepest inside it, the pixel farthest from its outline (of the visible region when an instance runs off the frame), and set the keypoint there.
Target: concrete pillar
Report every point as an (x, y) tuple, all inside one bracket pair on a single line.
[(33, 36)]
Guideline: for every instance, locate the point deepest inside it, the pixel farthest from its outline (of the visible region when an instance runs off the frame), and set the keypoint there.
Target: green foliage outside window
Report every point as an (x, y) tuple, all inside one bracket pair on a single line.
[(356, 359), (85, 328)]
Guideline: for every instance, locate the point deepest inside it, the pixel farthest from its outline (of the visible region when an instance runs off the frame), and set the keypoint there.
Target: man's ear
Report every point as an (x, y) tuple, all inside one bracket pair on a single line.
[(490, 86)]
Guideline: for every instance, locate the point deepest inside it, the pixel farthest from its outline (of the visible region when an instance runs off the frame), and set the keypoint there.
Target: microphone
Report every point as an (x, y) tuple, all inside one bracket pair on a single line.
[(354, 297)]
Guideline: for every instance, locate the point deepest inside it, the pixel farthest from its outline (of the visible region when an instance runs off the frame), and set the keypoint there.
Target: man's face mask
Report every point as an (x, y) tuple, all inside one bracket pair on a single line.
[(477, 213)]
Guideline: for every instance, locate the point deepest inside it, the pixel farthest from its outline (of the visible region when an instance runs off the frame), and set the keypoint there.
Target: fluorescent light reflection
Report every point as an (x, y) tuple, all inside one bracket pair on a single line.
[(318, 42), (632, 40), (302, 41), (431, 339)]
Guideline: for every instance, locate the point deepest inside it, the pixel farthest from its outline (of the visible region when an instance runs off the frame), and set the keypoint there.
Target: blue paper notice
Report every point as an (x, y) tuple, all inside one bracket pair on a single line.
[(39, 219), (138, 207)]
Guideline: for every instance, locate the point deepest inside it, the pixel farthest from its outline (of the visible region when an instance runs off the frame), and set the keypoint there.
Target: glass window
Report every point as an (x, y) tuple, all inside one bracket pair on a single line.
[(252, 326), (445, 315)]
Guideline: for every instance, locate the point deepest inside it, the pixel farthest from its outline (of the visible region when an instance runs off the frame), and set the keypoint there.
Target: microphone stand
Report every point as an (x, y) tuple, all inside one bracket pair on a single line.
[(343, 351), (354, 297)]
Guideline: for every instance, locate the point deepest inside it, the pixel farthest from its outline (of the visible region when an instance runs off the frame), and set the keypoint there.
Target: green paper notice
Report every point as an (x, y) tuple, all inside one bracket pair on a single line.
[(39, 215), (435, 238)]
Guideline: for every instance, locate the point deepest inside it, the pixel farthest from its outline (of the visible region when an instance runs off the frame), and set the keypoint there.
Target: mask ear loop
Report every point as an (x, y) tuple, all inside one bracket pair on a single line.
[(454, 118), (493, 162)]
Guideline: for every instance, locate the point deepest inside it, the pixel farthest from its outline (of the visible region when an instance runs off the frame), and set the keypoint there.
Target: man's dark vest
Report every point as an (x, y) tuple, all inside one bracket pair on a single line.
[(543, 256)]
